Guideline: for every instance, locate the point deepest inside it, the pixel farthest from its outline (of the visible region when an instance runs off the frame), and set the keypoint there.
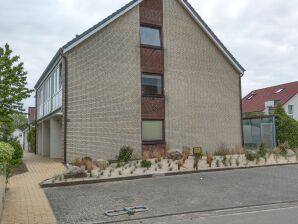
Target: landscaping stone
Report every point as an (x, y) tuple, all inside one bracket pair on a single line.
[(74, 172), (174, 154), (101, 163), (94, 173)]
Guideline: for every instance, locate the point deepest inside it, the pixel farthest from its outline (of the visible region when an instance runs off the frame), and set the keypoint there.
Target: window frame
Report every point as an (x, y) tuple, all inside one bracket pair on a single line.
[(154, 142), (162, 85), (292, 109), (160, 36)]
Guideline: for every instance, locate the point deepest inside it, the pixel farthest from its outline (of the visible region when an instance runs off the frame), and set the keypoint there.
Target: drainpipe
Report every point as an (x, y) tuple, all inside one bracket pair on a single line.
[(35, 122), (65, 103), (241, 111)]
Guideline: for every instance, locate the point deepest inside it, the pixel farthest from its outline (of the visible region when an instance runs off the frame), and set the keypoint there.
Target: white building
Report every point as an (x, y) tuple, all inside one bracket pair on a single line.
[(264, 100)]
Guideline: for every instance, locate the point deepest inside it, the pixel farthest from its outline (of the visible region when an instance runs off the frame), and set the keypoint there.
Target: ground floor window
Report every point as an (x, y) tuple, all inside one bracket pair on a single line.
[(152, 130)]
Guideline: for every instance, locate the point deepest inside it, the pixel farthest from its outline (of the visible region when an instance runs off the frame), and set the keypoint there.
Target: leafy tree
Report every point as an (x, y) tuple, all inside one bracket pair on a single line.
[(287, 127), (13, 82), (31, 139), (20, 121)]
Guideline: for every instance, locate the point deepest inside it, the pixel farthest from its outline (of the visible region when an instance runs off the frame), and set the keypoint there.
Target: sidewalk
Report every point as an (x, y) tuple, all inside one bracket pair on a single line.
[(25, 201)]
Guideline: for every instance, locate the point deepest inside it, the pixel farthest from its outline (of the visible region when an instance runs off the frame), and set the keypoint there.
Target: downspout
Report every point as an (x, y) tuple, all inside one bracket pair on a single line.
[(35, 150), (241, 110), (65, 103)]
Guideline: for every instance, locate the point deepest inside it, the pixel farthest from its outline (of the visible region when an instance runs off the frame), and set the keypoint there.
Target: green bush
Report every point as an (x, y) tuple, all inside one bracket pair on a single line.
[(6, 154), (146, 164), (262, 152), (18, 152), (286, 127), (125, 154), (250, 155)]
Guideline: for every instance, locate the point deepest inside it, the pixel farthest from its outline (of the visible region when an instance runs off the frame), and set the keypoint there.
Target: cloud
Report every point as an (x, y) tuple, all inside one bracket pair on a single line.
[(262, 35)]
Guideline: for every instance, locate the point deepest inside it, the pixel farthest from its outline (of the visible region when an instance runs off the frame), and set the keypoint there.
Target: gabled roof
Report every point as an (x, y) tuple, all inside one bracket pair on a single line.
[(80, 38), (255, 100)]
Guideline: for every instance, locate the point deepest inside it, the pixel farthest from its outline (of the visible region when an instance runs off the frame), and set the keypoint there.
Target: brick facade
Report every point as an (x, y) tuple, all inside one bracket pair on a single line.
[(202, 91), (104, 93)]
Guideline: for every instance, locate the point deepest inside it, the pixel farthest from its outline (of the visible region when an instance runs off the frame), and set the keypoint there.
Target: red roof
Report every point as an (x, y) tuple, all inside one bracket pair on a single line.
[(255, 100)]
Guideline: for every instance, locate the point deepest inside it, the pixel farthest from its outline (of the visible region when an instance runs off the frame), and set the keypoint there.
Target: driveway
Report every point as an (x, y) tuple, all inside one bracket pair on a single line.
[(25, 201), (168, 196)]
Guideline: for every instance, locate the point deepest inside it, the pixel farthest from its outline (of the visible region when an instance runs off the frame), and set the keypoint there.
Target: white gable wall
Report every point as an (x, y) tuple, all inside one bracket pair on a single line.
[(294, 102)]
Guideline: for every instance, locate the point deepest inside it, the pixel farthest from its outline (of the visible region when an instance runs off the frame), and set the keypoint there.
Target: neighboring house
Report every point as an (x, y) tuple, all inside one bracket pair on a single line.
[(152, 75), (31, 120), (18, 135), (264, 100)]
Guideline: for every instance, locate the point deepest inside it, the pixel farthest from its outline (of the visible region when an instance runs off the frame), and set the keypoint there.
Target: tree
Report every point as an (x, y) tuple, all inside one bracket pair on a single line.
[(287, 127), (20, 121), (13, 82)]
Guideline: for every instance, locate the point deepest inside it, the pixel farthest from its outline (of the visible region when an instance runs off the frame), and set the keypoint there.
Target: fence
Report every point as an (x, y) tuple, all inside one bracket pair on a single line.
[(259, 129)]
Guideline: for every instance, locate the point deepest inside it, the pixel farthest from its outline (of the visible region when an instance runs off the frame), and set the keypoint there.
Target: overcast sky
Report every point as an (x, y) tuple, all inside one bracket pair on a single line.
[(262, 35)]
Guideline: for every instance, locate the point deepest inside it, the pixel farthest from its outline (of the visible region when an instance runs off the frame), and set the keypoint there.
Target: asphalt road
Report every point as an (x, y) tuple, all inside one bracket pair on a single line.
[(270, 214), (182, 199)]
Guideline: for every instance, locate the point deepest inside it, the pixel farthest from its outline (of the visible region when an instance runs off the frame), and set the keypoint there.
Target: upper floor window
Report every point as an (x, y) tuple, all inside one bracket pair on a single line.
[(152, 85), (150, 36), (290, 109)]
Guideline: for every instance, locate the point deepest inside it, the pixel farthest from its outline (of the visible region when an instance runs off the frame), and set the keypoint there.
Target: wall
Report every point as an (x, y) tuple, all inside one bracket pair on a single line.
[(293, 101), (201, 86), (104, 93), (55, 137)]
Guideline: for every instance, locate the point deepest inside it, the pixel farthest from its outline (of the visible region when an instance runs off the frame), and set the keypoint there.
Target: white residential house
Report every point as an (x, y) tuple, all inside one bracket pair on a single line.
[(264, 100), (19, 136)]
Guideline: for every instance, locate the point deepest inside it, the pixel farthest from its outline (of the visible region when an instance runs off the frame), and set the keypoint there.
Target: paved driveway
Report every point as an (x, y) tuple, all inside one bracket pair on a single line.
[(175, 195), (25, 201)]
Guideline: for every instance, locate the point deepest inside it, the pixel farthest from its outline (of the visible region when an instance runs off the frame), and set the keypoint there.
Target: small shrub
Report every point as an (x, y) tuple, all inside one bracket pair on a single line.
[(120, 173), (155, 169), (159, 166), (262, 152), (77, 162), (209, 159), (230, 161), (125, 154), (224, 161), (131, 172), (250, 155), (222, 150), (6, 154), (146, 164), (17, 153), (170, 169), (217, 163), (237, 162)]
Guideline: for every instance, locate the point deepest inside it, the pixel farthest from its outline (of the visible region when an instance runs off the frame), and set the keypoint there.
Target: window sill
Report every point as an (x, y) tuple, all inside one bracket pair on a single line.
[(153, 96), (152, 47), (158, 142)]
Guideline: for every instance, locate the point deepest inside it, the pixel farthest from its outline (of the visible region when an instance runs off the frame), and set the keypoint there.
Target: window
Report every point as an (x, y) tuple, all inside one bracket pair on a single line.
[(250, 97), (290, 109), (152, 130), (279, 91), (152, 85), (150, 36)]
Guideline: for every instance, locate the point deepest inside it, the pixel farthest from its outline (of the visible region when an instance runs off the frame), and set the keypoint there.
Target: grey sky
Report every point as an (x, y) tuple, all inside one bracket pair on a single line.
[(262, 35)]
